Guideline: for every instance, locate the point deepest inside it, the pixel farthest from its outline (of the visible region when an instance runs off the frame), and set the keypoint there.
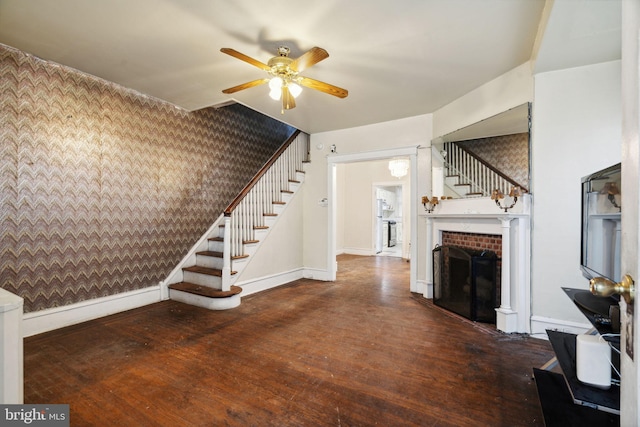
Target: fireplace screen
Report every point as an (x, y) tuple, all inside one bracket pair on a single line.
[(464, 281)]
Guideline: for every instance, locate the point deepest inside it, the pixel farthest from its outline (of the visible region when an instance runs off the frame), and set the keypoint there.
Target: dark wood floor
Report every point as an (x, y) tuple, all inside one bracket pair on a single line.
[(360, 351)]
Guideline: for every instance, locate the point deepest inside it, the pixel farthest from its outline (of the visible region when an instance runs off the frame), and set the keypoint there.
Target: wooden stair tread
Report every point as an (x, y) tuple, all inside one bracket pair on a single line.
[(460, 185), (260, 227), (205, 291), (269, 214), (277, 202), (286, 191), (214, 254), (475, 194), (293, 181), (205, 270)]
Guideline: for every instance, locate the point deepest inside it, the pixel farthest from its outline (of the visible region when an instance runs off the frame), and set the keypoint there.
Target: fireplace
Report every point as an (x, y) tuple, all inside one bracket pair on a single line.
[(478, 218), (465, 282)]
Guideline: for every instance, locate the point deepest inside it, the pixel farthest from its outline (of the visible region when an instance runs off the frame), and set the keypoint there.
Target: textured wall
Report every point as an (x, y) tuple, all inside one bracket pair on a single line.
[(104, 190), (509, 154)]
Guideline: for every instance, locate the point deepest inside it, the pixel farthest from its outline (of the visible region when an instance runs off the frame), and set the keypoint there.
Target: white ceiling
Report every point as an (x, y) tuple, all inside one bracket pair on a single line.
[(398, 58)]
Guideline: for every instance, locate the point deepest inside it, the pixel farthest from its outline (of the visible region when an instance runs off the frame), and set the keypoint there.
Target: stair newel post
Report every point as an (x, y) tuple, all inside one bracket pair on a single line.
[(226, 255)]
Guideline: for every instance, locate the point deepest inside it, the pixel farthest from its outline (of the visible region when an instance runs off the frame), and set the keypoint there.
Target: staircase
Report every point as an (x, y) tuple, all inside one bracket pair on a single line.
[(468, 176), (206, 276)]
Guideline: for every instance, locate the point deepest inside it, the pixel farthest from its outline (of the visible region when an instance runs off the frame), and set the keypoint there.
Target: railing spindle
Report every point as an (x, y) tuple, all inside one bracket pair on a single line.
[(248, 210)]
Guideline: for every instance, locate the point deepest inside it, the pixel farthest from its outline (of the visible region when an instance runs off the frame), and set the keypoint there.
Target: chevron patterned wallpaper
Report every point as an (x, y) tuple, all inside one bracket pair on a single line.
[(102, 189), (509, 154)]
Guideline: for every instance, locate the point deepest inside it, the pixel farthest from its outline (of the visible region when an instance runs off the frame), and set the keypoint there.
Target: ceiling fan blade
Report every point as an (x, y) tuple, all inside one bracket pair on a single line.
[(245, 86), (309, 58), (323, 87), (245, 58), (288, 101)]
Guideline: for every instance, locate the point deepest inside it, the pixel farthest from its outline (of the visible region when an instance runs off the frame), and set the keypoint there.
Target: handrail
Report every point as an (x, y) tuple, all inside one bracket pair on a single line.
[(493, 169), (260, 174)]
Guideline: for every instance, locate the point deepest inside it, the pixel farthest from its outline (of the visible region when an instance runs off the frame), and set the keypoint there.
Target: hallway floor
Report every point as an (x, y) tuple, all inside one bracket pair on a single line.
[(395, 251), (360, 351)]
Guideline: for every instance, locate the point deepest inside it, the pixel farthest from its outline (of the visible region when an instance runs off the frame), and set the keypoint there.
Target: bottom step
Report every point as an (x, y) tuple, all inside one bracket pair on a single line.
[(205, 297)]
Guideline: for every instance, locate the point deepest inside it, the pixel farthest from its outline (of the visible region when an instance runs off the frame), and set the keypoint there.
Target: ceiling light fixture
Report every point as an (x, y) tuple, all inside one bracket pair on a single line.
[(399, 167), (277, 86), (284, 80), (283, 84)]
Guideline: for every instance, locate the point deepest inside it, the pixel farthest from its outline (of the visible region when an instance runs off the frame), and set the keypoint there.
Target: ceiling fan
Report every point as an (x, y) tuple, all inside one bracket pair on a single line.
[(284, 79)]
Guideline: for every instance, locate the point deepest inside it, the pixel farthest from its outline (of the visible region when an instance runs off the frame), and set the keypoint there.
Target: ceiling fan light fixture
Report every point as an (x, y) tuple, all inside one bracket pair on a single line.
[(275, 94), (284, 81), (295, 89), (275, 83)]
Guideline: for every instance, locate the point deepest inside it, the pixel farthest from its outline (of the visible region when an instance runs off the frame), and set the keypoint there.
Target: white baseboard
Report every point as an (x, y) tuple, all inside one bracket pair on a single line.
[(425, 288), (316, 274), (54, 318), (260, 284), (540, 324)]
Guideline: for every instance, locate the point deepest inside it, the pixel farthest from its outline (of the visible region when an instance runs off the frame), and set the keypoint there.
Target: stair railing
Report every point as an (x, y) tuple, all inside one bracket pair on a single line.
[(482, 177), (256, 201)]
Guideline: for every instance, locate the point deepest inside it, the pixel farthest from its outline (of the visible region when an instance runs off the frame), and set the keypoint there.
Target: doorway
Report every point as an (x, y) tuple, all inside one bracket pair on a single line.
[(333, 162), (389, 224)]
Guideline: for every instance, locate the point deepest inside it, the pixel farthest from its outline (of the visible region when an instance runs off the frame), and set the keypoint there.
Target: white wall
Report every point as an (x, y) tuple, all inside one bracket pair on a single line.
[(284, 235), (576, 131), (507, 91), (358, 212), (341, 195), (503, 93), (394, 134), (358, 206)]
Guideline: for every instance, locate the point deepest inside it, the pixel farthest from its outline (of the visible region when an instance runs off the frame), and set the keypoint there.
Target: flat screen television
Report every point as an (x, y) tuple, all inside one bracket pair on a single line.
[(601, 204)]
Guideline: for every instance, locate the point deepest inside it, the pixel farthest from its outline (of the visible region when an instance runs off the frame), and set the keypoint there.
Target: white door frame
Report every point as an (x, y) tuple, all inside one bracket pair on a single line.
[(630, 382), (335, 159), (374, 187)]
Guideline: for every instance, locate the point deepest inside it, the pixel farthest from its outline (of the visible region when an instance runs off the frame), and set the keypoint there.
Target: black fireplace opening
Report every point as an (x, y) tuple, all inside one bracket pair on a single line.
[(465, 282)]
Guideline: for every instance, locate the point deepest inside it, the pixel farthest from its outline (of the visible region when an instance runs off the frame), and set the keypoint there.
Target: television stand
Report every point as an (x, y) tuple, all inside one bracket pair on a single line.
[(564, 399)]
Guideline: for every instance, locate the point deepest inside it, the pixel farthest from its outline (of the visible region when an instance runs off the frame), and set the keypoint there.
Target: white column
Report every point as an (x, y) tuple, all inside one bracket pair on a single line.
[(428, 290), (226, 255), (11, 349), (505, 294), (506, 317)]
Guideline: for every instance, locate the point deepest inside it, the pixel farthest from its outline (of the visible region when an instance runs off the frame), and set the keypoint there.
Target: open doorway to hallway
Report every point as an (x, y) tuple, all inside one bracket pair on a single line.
[(388, 223), (343, 224), (372, 214)]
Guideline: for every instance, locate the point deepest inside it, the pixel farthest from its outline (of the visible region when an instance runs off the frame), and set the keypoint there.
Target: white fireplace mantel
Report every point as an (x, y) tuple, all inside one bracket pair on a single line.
[(482, 216)]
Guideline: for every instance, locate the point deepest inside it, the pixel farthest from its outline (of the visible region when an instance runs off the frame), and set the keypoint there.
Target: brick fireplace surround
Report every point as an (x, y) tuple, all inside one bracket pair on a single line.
[(480, 242), (476, 241), (478, 224)]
